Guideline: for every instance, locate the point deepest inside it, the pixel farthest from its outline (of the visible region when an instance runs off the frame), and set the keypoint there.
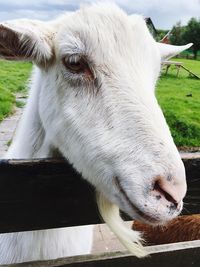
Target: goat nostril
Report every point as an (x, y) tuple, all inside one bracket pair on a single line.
[(167, 196), (173, 206)]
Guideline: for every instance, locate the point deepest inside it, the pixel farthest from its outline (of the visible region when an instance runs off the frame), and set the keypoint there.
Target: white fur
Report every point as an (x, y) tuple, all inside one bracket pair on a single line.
[(108, 127), (132, 240)]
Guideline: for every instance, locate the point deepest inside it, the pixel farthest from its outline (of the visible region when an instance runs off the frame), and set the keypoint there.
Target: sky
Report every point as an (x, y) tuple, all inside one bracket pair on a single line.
[(164, 13)]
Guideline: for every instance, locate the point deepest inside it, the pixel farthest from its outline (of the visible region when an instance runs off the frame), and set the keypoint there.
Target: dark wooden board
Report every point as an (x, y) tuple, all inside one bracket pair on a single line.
[(43, 194), (192, 199), (47, 193)]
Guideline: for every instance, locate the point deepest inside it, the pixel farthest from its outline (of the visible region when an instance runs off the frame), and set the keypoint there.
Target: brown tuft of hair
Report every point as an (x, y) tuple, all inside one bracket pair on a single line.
[(182, 228)]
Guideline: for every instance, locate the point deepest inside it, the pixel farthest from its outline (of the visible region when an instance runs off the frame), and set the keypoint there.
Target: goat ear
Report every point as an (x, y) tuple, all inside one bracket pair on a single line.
[(26, 40), (167, 51)]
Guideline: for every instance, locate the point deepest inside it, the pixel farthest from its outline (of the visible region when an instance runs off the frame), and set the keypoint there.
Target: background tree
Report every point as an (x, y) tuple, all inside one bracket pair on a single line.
[(161, 34), (191, 34), (176, 35)]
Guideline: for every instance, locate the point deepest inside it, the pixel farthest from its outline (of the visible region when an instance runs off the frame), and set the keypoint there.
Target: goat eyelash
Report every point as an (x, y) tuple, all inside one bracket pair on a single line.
[(77, 66)]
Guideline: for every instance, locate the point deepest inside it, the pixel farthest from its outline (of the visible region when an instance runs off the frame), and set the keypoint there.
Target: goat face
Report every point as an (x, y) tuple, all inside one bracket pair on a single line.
[(97, 73)]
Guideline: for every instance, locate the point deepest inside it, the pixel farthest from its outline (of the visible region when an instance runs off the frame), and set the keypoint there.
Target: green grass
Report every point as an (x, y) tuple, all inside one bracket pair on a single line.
[(179, 98), (13, 79), (181, 110), (7, 101)]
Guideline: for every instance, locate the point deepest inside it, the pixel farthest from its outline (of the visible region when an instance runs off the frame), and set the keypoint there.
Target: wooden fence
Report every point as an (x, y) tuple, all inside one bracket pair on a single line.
[(48, 193)]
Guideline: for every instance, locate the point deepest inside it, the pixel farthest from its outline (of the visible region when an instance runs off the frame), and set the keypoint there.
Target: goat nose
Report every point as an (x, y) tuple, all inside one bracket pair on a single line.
[(173, 192)]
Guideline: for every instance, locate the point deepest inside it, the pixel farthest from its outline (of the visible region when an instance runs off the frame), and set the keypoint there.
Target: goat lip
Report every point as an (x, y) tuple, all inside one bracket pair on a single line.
[(147, 218)]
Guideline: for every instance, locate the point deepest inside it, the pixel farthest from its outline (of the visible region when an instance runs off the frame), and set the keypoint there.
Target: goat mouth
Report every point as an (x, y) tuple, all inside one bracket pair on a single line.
[(147, 218)]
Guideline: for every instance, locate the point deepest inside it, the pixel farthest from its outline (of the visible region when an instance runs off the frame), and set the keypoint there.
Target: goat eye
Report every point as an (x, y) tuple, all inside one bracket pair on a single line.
[(75, 64)]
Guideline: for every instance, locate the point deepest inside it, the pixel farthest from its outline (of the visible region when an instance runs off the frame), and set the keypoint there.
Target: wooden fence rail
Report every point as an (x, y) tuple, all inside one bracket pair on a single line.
[(48, 193), (184, 254)]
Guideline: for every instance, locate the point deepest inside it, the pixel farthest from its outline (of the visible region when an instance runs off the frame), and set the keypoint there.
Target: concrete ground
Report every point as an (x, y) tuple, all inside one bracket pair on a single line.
[(7, 130), (104, 239)]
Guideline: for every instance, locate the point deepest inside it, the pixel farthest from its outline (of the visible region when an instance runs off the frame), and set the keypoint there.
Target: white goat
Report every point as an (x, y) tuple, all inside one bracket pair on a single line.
[(92, 100)]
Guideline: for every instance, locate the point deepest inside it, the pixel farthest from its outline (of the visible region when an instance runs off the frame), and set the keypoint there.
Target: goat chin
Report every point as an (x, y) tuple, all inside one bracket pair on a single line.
[(130, 239)]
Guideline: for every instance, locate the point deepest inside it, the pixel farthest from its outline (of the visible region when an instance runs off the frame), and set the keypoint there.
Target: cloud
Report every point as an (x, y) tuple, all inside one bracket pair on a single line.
[(37, 9), (31, 14), (163, 13)]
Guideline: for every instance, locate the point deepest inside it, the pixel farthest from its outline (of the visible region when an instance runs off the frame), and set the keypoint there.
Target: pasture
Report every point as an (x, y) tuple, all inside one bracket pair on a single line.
[(13, 79), (179, 97), (180, 102)]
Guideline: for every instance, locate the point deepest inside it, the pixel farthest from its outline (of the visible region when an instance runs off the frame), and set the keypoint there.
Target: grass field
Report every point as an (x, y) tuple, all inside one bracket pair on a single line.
[(180, 101), (178, 97), (13, 79)]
